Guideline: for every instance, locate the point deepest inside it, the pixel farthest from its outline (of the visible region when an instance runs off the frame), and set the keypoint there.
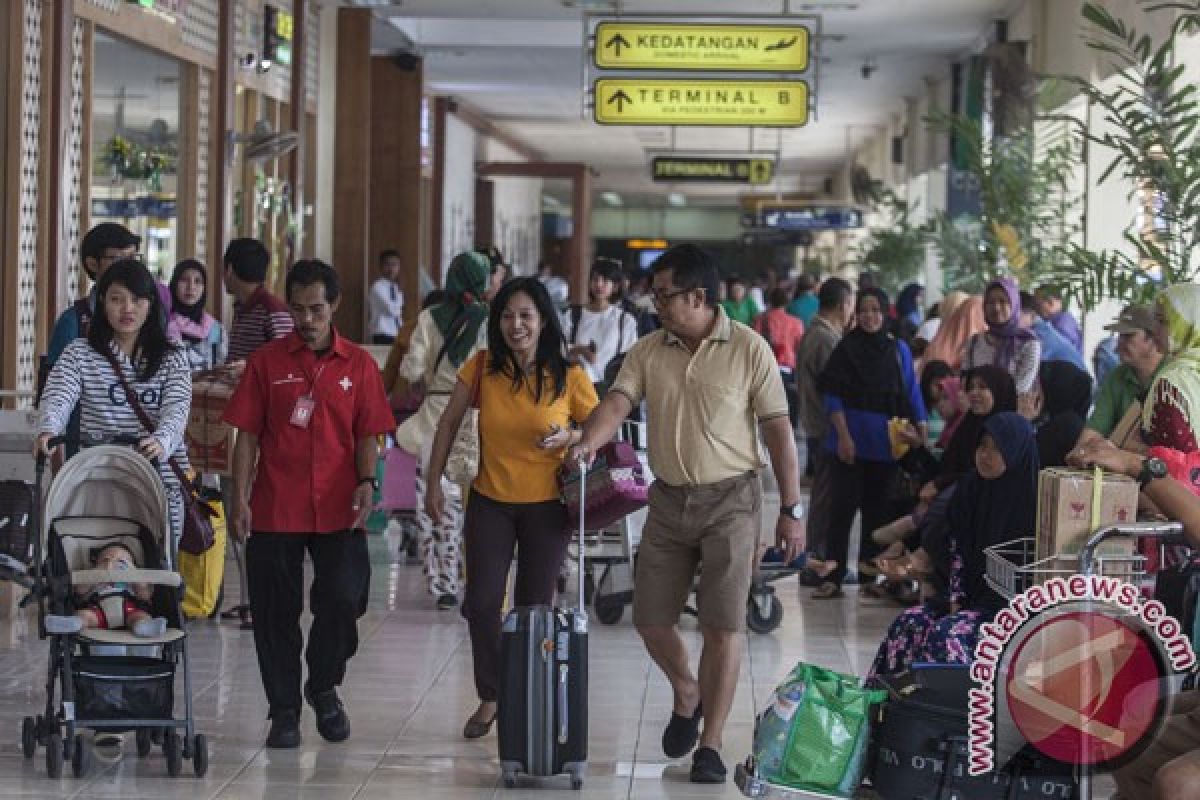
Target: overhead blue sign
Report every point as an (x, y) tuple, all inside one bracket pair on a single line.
[(811, 218)]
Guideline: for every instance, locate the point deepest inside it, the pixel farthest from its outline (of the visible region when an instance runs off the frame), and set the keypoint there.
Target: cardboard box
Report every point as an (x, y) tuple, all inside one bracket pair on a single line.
[(209, 440), (1065, 518)]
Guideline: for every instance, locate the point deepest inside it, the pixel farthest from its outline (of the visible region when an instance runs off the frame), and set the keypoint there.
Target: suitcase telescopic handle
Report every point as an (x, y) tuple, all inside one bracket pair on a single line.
[(1166, 532), (583, 469)]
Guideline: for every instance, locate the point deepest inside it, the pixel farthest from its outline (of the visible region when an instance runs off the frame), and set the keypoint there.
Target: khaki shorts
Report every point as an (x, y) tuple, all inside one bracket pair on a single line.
[(716, 525)]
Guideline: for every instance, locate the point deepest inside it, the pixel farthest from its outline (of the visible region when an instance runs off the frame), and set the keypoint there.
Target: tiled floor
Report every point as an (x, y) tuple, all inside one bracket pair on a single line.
[(408, 692)]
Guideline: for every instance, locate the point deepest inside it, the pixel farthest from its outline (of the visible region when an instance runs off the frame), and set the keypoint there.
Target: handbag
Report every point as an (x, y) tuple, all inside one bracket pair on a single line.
[(616, 486), (198, 534), (463, 462)]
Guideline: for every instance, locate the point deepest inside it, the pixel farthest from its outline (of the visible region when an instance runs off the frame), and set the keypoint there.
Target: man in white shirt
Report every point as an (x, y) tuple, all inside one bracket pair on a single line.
[(600, 331), (385, 303)]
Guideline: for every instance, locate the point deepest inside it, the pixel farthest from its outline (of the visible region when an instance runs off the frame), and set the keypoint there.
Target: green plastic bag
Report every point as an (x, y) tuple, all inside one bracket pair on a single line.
[(814, 735)]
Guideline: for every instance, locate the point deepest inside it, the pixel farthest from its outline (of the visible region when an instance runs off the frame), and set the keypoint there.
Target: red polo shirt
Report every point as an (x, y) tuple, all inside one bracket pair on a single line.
[(307, 476)]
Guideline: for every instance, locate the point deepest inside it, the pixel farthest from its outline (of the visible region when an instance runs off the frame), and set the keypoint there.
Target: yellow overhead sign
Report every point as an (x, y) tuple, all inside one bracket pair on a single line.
[(649, 101), (698, 46)]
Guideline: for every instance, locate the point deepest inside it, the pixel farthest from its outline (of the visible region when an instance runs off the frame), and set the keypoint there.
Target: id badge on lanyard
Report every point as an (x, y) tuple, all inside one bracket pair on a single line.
[(305, 404)]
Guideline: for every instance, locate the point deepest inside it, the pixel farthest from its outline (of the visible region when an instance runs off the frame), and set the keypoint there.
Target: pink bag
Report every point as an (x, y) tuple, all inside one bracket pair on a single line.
[(616, 486), (399, 489)]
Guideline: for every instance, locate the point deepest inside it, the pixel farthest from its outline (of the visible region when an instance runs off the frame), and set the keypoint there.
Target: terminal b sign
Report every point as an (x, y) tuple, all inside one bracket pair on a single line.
[(673, 169), (667, 101), (696, 46)]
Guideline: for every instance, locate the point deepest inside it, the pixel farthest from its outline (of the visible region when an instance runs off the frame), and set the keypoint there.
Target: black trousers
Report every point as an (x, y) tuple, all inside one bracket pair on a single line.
[(861, 486), (341, 580), (491, 531)]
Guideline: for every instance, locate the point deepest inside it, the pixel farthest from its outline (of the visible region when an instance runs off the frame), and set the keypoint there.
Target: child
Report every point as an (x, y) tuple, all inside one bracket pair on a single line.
[(111, 605)]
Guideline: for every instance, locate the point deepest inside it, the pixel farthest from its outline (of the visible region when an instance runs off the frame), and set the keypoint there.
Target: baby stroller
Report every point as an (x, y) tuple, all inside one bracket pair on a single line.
[(108, 679)]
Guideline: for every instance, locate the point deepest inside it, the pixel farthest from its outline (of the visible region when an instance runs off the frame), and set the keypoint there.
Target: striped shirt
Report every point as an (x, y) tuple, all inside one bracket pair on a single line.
[(84, 377), (262, 318)]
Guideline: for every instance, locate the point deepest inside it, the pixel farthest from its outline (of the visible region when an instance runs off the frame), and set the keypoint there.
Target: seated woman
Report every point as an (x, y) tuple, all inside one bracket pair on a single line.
[(994, 503), (1065, 403)]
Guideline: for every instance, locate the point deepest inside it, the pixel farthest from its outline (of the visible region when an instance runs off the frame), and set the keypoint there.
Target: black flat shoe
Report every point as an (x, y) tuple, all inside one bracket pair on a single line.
[(332, 722), (474, 729), (285, 730), (446, 602), (682, 733), (707, 766)]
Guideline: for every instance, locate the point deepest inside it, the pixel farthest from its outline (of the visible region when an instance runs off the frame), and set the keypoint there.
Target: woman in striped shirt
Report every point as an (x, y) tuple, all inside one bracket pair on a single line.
[(156, 371)]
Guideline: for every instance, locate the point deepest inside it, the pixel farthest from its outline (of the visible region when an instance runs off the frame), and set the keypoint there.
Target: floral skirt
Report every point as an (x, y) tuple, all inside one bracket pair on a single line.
[(922, 636)]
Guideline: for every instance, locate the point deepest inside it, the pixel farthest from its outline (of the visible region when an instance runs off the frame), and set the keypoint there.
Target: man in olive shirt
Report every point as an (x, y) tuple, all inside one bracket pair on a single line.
[(1128, 383), (710, 386)]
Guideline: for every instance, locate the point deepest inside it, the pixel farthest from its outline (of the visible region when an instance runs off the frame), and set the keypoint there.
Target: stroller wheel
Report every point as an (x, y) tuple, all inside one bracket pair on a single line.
[(29, 740), (81, 759), (54, 755), (144, 743), (173, 749), (200, 755)]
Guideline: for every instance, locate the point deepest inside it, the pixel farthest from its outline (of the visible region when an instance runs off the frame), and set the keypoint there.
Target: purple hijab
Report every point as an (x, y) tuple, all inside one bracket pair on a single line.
[(1009, 335)]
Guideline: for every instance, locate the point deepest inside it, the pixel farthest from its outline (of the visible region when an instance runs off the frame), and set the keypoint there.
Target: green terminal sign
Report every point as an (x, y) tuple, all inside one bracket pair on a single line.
[(676, 169)]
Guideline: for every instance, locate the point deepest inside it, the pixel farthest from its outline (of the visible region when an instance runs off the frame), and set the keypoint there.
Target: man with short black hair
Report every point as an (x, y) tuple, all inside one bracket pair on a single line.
[(309, 410), (258, 316), (102, 246), (385, 301), (711, 386), (835, 310)]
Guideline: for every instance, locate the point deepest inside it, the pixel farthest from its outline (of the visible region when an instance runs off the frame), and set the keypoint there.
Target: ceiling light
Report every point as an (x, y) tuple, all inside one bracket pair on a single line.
[(591, 5), (676, 199), (612, 198)]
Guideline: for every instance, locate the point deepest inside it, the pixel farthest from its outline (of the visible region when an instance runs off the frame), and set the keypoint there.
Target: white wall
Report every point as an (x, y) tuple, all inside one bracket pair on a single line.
[(458, 192), (516, 213), (326, 125)]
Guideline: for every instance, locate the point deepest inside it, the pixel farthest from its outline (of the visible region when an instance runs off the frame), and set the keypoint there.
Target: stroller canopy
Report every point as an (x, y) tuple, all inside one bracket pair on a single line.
[(109, 481)]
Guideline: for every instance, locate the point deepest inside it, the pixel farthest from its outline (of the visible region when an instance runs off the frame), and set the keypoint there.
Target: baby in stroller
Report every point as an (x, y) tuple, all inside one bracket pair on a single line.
[(111, 605)]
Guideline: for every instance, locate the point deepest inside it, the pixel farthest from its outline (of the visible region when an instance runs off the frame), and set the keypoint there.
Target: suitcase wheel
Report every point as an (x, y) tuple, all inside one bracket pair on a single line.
[(510, 780), (764, 613)]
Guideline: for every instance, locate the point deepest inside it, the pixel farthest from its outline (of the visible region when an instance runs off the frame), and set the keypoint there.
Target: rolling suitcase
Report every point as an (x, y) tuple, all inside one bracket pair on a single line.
[(542, 716)]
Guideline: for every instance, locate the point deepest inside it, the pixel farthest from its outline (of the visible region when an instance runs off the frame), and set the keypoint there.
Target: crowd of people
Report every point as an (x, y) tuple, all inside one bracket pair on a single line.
[(928, 425)]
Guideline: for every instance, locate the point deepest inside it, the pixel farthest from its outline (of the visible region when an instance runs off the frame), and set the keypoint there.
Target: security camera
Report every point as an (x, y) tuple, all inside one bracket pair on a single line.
[(868, 68), (248, 61)]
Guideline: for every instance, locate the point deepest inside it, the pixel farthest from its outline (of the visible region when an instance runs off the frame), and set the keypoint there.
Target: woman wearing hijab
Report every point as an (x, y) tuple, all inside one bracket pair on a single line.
[(446, 335), (1172, 415), (202, 337), (909, 314), (994, 503), (868, 381), (1005, 343), (958, 326), (1066, 400)]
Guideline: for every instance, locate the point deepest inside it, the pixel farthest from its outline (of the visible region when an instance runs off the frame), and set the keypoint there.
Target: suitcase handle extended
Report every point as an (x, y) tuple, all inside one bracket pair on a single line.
[(1169, 532), (563, 716), (582, 464)]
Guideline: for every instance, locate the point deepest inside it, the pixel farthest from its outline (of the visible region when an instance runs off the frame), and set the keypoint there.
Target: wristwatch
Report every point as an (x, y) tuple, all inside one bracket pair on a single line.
[(371, 480), (1153, 469), (795, 511)]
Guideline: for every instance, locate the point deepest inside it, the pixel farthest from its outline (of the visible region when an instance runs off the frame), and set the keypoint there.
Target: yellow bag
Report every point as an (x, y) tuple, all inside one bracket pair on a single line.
[(202, 574)]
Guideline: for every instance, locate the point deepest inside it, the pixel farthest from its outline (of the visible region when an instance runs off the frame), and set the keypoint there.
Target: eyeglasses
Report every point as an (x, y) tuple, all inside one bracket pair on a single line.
[(663, 296)]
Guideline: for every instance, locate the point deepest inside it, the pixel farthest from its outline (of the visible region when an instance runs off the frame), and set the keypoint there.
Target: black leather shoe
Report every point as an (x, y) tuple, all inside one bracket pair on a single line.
[(707, 766), (285, 730), (332, 722)]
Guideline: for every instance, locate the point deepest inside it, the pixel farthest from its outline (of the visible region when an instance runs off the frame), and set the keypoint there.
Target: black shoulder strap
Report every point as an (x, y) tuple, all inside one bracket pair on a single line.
[(576, 315)]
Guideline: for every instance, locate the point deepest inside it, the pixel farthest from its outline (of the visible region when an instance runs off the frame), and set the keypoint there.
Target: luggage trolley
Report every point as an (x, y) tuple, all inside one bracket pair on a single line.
[(1012, 568)]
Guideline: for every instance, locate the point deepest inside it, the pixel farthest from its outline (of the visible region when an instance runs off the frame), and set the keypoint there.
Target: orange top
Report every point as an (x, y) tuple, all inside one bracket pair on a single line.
[(512, 469)]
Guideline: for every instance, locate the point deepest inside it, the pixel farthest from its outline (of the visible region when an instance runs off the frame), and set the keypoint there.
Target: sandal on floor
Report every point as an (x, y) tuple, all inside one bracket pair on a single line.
[(827, 590)]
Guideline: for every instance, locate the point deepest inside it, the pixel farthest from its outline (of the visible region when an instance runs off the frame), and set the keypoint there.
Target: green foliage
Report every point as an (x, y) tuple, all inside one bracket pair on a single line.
[(1025, 220), (894, 252), (1153, 136)]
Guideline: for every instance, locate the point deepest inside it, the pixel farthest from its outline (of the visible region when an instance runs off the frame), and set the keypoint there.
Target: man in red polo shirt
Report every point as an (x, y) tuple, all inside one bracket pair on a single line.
[(308, 410)]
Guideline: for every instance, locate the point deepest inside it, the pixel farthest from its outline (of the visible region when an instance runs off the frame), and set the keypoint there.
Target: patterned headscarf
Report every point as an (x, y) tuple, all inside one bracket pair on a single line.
[(460, 316), (1178, 382), (1008, 335)]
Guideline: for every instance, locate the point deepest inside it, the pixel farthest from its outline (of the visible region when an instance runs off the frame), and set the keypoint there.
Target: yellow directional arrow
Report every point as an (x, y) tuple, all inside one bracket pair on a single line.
[(697, 46), (648, 101)]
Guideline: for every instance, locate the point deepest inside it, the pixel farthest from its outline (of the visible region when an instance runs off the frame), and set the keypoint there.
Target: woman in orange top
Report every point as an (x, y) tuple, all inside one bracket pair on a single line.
[(530, 398)]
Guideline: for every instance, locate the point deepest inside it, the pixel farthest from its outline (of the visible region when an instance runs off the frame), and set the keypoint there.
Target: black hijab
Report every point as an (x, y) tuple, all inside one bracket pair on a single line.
[(1066, 401), (864, 369), (195, 311), (984, 513), (959, 456)]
